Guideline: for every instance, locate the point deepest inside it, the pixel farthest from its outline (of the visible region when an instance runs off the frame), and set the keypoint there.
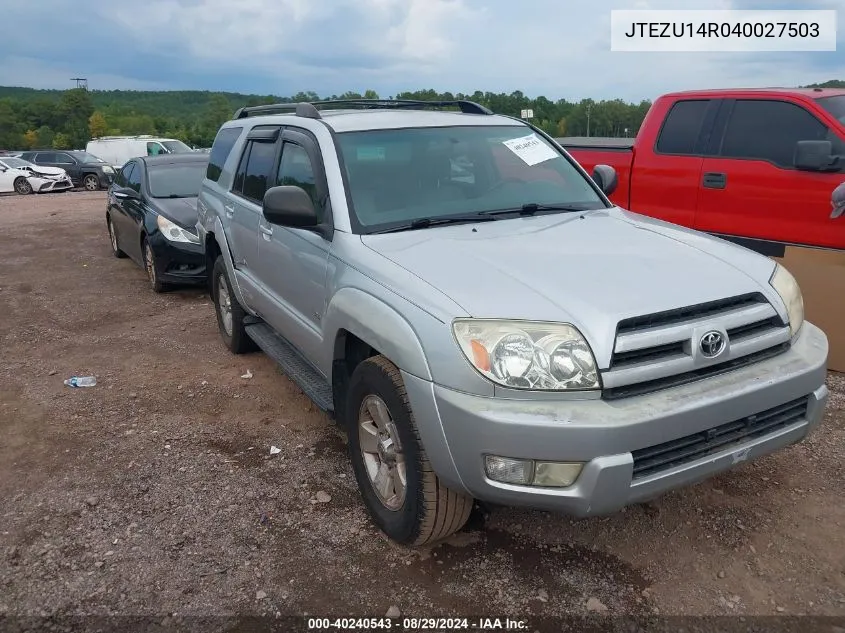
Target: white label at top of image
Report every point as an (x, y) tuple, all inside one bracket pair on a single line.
[(725, 31)]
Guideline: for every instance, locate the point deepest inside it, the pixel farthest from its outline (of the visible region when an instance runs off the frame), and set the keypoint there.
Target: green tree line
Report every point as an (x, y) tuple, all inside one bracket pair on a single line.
[(68, 119)]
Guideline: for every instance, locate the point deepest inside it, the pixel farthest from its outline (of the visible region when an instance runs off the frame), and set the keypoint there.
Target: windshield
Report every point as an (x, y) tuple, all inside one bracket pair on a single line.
[(16, 163), (401, 175), (834, 105), (85, 157), (176, 147), (176, 180)]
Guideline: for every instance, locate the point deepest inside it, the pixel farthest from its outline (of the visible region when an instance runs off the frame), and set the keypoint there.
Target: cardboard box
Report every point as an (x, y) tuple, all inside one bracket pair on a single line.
[(821, 276)]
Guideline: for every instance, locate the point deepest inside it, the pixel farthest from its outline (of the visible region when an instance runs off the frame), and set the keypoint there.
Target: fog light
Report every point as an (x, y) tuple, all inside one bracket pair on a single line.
[(508, 470), (556, 474)]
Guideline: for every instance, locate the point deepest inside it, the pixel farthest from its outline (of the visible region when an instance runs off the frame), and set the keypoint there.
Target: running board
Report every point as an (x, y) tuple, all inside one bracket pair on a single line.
[(293, 365)]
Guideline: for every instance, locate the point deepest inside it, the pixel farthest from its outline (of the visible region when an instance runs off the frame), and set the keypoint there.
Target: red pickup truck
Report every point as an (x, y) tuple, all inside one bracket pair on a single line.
[(754, 166)]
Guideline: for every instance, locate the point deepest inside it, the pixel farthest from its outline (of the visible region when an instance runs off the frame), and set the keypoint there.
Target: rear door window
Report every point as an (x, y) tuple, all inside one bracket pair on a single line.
[(220, 150), (682, 127)]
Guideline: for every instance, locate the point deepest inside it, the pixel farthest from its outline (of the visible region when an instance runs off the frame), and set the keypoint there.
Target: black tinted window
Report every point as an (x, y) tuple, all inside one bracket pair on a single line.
[(120, 177), (682, 126), (295, 169), (769, 130), (133, 178), (64, 159), (259, 167), (45, 157), (220, 150)]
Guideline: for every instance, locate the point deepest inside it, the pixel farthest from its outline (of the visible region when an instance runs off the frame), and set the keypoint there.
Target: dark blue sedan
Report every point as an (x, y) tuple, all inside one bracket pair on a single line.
[(152, 216)]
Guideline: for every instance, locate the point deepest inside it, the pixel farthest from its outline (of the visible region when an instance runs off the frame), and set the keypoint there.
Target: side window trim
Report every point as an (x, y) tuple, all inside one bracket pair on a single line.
[(307, 141)]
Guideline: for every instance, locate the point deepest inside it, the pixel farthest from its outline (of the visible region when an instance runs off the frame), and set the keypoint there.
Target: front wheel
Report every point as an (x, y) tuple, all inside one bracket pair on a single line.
[(22, 186), (230, 313), (91, 182), (403, 495)]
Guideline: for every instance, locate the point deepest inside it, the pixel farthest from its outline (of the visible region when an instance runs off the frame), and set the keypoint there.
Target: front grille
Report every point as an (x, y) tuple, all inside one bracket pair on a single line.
[(655, 459), (658, 351)]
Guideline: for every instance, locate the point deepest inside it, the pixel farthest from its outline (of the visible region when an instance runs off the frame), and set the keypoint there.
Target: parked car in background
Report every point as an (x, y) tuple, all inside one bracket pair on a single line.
[(754, 166), (151, 217), (23, 177), (484, 323), (116, 150), (85, 170)]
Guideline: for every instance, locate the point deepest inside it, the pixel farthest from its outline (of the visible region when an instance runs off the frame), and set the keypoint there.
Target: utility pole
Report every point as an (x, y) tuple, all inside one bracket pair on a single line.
[(589, 105), (81, 82)]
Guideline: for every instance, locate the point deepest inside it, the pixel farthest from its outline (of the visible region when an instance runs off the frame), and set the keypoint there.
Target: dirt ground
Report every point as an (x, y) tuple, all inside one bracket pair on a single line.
[(154, 493)]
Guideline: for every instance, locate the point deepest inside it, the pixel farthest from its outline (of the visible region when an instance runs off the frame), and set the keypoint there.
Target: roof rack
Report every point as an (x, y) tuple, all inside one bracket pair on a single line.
[(311, 110)]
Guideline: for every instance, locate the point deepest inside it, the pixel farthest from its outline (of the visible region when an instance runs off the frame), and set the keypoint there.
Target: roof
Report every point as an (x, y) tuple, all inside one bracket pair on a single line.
[(349, 115), (384, 119), (175, 159), (813, 93)]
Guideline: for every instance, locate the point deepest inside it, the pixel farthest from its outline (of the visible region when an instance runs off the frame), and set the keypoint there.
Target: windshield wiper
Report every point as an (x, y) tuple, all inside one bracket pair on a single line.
[(424, 223), (532, 207)]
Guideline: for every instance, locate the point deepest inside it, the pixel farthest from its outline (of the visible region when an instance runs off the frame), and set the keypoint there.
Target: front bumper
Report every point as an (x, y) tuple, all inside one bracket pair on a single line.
[(44, 185), (606, 435), (178, 263)]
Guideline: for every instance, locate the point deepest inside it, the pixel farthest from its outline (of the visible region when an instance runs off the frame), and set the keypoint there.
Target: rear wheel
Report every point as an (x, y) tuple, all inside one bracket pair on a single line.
[(403, 495), (22, 186), (230, 313), (91, 182), (151, 268), (115, 248)]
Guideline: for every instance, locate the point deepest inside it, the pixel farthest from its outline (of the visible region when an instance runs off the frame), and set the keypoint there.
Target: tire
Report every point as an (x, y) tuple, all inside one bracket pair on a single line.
[(115, 249), (150, 267), (22, 186), (428, 511), (90, 182), (232, 329)]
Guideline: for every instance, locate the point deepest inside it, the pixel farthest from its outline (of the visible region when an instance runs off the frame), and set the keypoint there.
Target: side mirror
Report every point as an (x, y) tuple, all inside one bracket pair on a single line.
[(125, 192), (837, 201), (813, 155), (606, 178), (287, 205)]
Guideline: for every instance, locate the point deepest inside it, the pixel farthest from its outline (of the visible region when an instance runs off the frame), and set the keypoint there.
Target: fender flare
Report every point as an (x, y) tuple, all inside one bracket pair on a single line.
[(378, 325), (226, 253)]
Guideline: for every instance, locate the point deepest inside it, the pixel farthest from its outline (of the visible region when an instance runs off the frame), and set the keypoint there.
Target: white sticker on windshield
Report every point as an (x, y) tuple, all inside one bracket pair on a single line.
[(530, 149)]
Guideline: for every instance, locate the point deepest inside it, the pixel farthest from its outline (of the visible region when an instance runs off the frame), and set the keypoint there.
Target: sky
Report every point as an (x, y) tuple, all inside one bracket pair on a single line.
[(555, 48)]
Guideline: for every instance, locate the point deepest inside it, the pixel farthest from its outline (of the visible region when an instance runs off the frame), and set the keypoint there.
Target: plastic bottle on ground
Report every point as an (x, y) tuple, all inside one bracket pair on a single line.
[(81, 381)]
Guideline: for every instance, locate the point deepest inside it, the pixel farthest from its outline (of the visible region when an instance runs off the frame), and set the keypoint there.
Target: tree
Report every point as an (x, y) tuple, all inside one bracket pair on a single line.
[(30, 139), (74, 109), (370, 94), (45, 137), (97, 124), (62, 141)]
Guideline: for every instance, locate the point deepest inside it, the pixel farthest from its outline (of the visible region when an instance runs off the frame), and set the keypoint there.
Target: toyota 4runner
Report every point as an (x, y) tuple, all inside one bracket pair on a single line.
[(465, 300)]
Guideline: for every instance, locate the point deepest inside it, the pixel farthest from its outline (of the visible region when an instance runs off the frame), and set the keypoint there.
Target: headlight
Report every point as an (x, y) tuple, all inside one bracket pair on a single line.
[(175, 233), (107, 169), (786, 286), (528, 355)]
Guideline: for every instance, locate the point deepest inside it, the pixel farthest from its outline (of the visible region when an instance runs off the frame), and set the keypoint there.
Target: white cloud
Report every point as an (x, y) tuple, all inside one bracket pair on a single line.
[(559, 48)]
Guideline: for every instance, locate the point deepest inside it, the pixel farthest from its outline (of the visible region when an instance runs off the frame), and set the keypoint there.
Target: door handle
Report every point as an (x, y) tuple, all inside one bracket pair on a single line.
[(715, 180), (230, 211), (266, 230)]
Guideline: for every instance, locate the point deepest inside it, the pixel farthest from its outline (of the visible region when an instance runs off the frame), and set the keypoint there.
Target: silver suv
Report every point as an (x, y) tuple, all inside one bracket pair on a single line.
[(485, 324)]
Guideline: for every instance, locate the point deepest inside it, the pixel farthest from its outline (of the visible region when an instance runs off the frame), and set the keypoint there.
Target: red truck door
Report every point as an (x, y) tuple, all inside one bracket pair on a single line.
[(749, 186), (664, 182)]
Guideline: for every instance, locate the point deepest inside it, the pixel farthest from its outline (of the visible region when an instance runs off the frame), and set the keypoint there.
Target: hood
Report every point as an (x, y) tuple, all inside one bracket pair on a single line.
[(182, 211), (40, 170), (592, 269)]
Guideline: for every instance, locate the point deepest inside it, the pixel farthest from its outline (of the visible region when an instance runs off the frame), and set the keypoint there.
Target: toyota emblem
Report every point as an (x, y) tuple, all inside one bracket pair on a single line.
[(712, 344)]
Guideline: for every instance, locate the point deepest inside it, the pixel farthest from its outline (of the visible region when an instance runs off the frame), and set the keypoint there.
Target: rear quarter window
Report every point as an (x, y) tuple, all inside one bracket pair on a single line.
[(682, 127), (220, 150)]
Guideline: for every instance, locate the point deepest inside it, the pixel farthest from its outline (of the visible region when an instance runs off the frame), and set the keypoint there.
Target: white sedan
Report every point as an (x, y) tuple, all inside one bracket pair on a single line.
[(24, 177)]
